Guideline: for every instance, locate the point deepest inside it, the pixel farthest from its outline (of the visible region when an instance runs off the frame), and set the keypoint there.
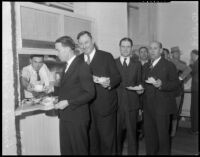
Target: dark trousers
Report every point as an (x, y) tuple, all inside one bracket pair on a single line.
[(194, 111), (126, 121), (102, 134), (156, 133), (74, 138)]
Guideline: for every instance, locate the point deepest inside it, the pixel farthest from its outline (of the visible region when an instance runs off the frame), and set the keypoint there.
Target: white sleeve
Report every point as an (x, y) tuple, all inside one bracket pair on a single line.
[(26, 73)]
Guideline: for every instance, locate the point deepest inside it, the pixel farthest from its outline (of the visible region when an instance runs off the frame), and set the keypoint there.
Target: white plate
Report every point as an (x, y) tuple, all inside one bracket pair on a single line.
[(135, 88), (151, 82)]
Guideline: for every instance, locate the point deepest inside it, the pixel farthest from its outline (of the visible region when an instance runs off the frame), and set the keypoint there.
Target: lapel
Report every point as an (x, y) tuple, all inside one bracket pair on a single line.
[(119, 64), (71, 68), (157, 65), (157, 69), (95, 57)]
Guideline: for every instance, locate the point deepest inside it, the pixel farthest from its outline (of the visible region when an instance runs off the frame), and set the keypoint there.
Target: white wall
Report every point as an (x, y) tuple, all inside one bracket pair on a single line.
[(178, 26), (110, 23), (9, 134), (143, 23)]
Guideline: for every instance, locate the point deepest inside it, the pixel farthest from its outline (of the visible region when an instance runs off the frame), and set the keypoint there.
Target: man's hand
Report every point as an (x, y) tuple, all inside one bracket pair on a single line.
[(106, 83), (61, 104), (48, 89), (158, 83), (30, 87)]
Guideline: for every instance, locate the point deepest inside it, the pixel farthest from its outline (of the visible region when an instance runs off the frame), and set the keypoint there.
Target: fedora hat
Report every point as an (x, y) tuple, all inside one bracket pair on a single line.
[(175, 49)]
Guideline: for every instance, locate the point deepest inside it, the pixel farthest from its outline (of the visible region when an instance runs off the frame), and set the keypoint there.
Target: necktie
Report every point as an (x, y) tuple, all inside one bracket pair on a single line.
[(124, 63), (88, 59), (125, 73), (151, 65), (38, 76)]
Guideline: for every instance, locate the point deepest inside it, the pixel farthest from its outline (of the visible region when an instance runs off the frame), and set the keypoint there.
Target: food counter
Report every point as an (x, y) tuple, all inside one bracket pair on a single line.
[(38, 127)]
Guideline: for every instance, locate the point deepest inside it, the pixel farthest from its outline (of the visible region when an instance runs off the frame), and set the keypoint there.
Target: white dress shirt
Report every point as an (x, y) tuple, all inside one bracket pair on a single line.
[(31, 75), (122, 60), (91, 55)]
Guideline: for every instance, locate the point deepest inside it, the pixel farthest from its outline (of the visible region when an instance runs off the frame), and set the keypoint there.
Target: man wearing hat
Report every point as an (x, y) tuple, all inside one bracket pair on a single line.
[(179, 93)]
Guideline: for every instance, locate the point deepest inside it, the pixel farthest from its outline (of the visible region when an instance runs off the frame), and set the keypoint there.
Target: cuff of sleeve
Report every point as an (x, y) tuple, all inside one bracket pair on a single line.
[(70, 104)]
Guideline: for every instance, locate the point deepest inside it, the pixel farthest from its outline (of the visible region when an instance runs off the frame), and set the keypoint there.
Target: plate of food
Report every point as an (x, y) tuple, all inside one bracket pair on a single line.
[(48, 101), (100, 80), (151, 80), (136, 88)]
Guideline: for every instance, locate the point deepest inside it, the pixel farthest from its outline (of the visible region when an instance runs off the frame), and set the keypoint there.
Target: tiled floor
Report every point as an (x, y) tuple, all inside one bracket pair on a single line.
[(183, 143)]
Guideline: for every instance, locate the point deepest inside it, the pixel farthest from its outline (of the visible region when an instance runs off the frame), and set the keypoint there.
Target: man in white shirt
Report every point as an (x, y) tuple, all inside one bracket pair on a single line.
[(36, 73)]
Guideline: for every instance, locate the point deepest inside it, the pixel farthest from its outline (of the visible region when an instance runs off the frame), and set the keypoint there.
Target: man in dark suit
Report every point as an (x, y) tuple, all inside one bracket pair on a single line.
[(179, 93), (194, 111), (128, 100), (145, 62), (161, 81), (76, 90), (103, 107)]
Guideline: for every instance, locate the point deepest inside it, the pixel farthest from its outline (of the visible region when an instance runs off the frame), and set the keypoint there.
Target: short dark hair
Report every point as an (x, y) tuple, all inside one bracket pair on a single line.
[(143, 47), (196, 52), (165, 49), (126, 39), (67, 42), (36, 55), (160, 44), (83, 33)]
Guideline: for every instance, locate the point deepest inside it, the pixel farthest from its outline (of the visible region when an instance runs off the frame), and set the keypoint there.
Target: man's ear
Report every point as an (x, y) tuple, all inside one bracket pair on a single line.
[(161, 50)]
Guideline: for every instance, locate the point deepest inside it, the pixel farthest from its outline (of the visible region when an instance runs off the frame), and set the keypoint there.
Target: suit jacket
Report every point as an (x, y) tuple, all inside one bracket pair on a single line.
[(195, 77), (129, 98), (145, 68), (78, 88), (162, 100), (103, 65)]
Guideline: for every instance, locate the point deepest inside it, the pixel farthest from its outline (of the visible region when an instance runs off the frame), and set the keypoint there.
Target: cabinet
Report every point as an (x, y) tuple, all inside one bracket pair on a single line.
[(38, 26)]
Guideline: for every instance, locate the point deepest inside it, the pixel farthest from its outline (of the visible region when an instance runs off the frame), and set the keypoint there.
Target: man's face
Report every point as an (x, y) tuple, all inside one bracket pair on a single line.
[(193, 57), (176, 55), (63, 52), (125, 48), (143, 54), (155, 50), (37, 62), (166, 54), (86, 44)]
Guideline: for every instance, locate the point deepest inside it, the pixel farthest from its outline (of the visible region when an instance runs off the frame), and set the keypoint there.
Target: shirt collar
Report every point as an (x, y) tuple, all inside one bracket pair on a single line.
[(32, 69), (156, 61), (127, 60), (91, 55), (143, 62)]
